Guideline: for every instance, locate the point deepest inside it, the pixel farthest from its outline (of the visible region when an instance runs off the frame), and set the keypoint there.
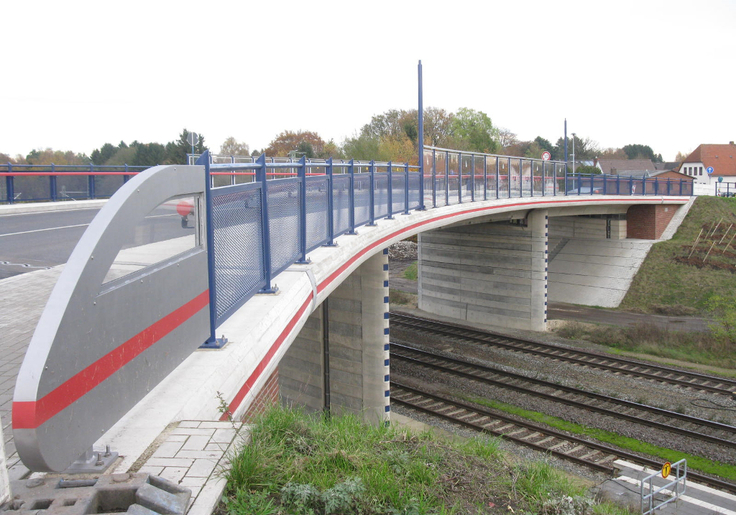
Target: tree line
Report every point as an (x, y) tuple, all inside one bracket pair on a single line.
[(389, 136)]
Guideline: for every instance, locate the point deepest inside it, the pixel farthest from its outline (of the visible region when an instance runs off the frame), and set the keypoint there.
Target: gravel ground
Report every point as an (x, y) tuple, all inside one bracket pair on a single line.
[(681, 400)]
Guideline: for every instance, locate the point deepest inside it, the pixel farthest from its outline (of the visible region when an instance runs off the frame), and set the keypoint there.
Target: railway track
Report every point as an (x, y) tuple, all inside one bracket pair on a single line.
[(657, 418), (633, 368), (583, 452)]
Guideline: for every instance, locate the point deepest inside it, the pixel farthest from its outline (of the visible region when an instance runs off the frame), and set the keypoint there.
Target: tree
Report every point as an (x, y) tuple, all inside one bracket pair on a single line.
[(636, 151), (176, 151), (437, 127), (473, 130), (587, 170), (301, 142), (681, 156), (100, 156), (231, 147), (58, 157), (506, 138), (149, 154)]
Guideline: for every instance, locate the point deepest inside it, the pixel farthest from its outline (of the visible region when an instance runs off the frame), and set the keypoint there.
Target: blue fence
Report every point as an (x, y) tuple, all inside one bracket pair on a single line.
[(266, 214), (44, 183)]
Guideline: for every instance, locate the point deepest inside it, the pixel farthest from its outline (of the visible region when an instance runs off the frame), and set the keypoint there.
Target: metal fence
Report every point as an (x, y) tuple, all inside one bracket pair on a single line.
[(44, 183), (285, 210)]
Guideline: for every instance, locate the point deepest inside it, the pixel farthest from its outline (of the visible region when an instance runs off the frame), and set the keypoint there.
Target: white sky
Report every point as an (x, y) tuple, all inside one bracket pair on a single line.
[(78, 74)]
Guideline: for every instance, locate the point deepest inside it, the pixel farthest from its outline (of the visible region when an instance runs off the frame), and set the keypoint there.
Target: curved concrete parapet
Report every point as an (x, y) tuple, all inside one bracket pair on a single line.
[(102, 342)]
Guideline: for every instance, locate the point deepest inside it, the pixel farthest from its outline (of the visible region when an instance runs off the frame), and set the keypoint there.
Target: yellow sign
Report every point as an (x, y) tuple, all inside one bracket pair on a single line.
[(666, 469)]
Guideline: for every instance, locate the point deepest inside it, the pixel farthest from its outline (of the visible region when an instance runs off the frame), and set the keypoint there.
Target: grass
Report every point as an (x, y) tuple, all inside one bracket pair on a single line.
[(304, 464), (411, 272), (693, 462), (693, 347), (665, 280)]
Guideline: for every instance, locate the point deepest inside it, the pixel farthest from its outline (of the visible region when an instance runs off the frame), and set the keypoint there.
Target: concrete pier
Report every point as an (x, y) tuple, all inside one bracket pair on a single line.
[(494, 273), (340, 358)]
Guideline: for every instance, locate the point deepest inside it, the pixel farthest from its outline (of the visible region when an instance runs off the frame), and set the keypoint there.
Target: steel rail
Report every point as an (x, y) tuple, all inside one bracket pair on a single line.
[(713, 482), (566, 354), (571, 402)]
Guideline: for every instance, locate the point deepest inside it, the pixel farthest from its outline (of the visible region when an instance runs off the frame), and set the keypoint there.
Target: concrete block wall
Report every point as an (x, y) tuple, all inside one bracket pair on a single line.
[(358, 356), (266, 398), (648, 222), (585, 227), (493, 273)]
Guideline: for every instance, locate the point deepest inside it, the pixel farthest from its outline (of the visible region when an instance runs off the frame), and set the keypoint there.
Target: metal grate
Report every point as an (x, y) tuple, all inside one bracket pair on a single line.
[(380, 198), (284, 222), (238, 247), (398, 188), (317, 207), (362, 189), (341, 204)]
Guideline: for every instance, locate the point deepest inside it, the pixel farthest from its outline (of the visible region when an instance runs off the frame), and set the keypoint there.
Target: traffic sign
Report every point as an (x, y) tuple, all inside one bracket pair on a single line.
[(666, 468), (192, 138), (709, 170), (546, 156), (720, 178)]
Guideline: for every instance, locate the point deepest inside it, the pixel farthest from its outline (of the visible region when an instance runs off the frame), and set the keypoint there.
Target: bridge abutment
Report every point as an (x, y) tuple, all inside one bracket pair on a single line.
[(340, 358), (493, 273)]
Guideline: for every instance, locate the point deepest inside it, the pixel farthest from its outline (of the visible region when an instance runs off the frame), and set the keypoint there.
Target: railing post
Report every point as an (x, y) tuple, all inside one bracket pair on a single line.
[(406, 189), (643, 186), (434, 178), (497, 178), (656, 185), (212, 341), (459, 178), (508, 175), (330, 205), (544, 178), (91, 181), (126, 176), (472, 178), (372, 196), (447, 178), (9, 185), (485, 177), (566, 169), (262, 177), (351, 197), (390, 192), (302, 175), (52, 184), (531, 168)]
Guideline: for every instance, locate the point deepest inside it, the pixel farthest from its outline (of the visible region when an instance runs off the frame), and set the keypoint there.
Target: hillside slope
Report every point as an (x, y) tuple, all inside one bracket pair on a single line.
[(681, 274)]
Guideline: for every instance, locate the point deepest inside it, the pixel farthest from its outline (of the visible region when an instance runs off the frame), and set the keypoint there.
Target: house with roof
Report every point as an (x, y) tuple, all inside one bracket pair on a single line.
[(721, 158), (626, 167)]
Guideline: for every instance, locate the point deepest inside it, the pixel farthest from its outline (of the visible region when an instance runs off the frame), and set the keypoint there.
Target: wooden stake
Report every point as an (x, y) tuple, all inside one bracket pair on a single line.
[(695, 243), (726, 234), (707, 253)]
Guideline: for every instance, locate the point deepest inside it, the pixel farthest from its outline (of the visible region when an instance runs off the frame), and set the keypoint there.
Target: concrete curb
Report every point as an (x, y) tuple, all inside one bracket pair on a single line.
[(45, 207)]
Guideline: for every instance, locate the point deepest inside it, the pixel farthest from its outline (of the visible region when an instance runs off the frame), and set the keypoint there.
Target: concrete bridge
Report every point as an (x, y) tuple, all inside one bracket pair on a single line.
[(294, 273)]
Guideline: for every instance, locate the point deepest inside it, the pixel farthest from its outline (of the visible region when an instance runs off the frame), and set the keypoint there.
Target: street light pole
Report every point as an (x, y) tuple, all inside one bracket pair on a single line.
[(573, 153)]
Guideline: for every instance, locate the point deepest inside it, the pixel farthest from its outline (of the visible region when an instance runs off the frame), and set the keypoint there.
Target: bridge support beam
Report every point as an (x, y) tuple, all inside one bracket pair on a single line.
[(343, 350), (492, 273)]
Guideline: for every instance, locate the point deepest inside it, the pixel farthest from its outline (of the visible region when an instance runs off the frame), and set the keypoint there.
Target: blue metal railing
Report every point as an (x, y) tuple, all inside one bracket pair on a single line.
[(273, 212), (43, 183)]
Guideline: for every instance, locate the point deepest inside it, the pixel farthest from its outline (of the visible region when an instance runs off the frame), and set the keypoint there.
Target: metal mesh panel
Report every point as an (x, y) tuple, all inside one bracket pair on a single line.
[(479, 175), (317, 206), (3, 189), (491, 163), (466, 177), (283, 213), (106, 185), (414, 178), (381, 195), (362, 188), (526, 178), (71, 187), (503, 178), (340, 203), (34, 188), (238, 246), (515, 177), (442, 184), (453, 178), (398, 190)]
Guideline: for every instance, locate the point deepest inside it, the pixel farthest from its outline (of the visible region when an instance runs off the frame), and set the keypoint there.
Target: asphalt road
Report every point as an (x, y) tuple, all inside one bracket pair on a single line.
[(39, 240)]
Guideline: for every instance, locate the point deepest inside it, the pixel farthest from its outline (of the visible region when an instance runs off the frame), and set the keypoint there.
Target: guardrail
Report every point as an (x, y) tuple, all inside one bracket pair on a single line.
[(43, 183)]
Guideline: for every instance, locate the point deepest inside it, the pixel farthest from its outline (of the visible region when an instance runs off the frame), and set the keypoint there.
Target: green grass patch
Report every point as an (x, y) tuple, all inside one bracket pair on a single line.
[(693, 462), (300, 464), (668, 278), (411, 272), (694, 347)]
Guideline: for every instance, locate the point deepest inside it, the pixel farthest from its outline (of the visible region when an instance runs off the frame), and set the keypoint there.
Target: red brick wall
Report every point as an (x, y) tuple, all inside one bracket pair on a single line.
[(267, 397), (648, 222)]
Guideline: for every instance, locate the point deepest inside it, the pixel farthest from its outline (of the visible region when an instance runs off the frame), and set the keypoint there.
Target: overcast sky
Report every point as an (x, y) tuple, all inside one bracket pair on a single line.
[(78, 74)]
